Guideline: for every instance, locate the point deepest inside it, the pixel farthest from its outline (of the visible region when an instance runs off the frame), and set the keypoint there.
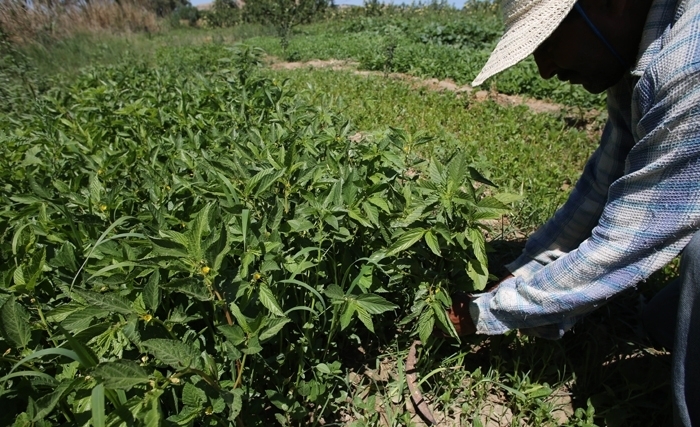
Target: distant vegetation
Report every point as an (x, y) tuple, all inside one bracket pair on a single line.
[(434, 41), (45, 20)]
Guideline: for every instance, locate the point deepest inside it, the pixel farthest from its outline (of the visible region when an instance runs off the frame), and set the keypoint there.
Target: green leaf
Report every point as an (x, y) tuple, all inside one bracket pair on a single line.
[(186, 417), (364, 279), (365, 318), (96, 189), (151, 292), (48, 402), (441, 315), (217, 250), (236, 403), (175, 237), (87, 357), (372, 212), (190, 286), (508, 198), (478, 177), (334, 197), (120, 374), (18, 276), (48, 379), (102, 239), (478, 242), (274, 326), (357, 216), (240, 318), (234, 333), (81, 319), (34, 269), (323, 368), (65, 257), (413, 215), (334, 292), (245, 222), (116, 266), (405, 241), (169, 248), (477, 272), (15, 324), (151, 413), (198, 227), (193, 396), (393, 159), (98, 406), (281, 401), (267, 181), (374, 304), (108, 301), (174, 353), (379, 202), (267, 299), (59, 313), (331, 220), (426, 324), (432, 241), (492, 206), (346, 316), (254, 346), (457, 169), (298, 267), (39, 354), (435, 171)]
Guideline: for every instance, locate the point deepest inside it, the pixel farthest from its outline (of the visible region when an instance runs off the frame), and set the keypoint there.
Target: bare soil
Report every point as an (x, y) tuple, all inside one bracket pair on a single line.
[(446, 85)]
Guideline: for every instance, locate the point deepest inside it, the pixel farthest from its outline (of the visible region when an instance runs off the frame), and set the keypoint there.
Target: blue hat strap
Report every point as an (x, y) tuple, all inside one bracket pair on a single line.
[(602, 38)]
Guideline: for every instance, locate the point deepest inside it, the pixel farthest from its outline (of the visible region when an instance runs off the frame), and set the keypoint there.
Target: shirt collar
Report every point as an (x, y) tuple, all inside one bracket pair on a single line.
[(661, 14)]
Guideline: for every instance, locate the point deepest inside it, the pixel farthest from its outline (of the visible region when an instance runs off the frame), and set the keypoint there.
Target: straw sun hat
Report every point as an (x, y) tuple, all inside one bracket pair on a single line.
[(528, 23)]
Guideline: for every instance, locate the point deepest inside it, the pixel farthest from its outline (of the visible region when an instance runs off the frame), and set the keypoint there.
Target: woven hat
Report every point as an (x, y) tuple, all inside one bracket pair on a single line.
[(528, 23)]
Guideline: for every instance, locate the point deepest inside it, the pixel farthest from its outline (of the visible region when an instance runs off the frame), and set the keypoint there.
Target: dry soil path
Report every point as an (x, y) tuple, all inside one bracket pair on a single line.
[(536, 105)]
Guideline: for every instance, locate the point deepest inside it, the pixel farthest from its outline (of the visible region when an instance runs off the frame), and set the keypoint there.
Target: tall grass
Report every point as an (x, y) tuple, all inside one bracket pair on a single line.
[(24, 22)]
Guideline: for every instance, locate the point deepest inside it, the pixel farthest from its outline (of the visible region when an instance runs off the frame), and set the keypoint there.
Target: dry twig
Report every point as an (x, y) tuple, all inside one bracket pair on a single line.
[(419, 402)]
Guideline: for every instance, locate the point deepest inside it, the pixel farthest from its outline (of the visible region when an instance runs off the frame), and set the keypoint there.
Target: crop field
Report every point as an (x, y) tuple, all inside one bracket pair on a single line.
[(211, 227)]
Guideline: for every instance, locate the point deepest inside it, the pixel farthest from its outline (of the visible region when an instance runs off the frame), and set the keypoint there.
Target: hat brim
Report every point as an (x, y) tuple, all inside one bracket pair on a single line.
[(524, 35)]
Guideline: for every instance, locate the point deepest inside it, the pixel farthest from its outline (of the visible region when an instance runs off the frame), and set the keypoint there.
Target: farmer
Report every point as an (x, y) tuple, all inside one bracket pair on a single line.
[(637, 204)]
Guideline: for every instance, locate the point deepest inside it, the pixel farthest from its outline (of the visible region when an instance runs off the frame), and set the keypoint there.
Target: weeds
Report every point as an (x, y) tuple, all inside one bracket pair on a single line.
[(56, 21)]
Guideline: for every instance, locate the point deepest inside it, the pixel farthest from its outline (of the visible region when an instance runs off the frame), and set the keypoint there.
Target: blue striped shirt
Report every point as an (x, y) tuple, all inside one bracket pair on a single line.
[(637, 203)]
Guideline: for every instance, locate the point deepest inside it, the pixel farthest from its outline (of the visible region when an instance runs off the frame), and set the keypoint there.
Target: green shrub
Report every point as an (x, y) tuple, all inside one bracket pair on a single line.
[(187, 13), (193, 243)]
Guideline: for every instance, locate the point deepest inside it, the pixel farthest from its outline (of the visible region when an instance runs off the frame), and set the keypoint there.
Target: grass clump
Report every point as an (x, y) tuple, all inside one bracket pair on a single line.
[(55, 21)]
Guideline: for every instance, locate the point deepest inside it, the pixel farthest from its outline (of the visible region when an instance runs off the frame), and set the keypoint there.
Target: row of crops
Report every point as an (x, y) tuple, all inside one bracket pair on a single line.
[(436, 42), (193, 243)]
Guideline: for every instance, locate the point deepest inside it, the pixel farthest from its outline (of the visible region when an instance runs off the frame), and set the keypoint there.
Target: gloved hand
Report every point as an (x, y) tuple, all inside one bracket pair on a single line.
[(459, 312)]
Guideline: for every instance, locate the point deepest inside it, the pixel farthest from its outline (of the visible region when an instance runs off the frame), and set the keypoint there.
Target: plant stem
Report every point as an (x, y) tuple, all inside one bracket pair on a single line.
[(46, 324), (239, 375)]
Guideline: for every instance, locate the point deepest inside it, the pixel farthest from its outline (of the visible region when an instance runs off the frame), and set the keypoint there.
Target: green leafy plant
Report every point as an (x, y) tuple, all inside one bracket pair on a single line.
[(285, 14), (188, 243)]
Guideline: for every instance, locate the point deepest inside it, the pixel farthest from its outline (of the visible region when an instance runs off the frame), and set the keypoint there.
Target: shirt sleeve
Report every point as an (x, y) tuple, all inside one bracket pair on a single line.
[(574, 221), (648, 216)]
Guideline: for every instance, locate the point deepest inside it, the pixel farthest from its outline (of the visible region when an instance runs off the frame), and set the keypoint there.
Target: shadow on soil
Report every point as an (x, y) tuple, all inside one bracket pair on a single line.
[(611, 363), (604, 359)]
